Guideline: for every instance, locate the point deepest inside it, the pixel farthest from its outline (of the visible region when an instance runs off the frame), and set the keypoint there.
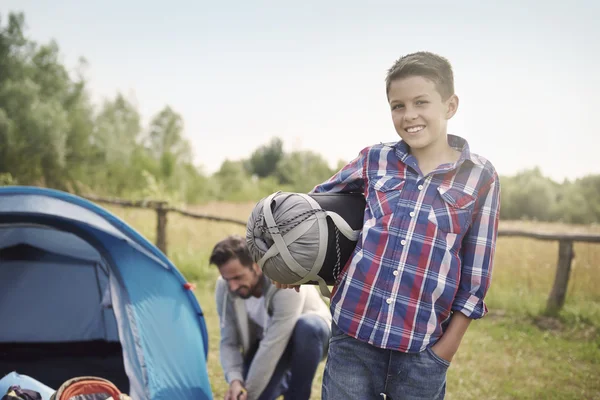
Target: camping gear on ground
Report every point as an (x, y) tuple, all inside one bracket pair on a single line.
[(26, 382), (299, 238), (85, 294), (89, 388), (16, 392)]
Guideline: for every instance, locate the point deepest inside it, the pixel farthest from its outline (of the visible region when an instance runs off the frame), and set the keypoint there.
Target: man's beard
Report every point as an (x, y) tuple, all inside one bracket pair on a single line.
[(249, 291), (244, 292)]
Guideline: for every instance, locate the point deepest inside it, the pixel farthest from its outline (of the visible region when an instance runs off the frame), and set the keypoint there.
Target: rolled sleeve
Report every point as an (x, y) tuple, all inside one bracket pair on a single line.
[(471, 306)]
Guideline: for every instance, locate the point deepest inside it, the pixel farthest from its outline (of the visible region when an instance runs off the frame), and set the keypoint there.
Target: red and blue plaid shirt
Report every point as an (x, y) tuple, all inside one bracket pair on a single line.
[(426, 248)]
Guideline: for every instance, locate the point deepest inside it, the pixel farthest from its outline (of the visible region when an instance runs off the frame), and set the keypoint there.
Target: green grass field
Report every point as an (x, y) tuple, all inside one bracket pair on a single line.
[(513, 353)]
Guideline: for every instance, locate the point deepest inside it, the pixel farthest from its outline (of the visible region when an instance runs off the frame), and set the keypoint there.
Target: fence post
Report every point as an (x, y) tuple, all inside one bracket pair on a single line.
[(161, 226), (561, 280)]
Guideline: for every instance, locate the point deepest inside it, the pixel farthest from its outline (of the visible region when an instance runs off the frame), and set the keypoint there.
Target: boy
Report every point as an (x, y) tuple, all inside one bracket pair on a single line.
[(423, 262)]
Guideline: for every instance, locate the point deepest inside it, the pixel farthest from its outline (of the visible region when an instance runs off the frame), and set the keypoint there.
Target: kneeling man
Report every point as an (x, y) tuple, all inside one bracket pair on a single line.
[(272, 340)]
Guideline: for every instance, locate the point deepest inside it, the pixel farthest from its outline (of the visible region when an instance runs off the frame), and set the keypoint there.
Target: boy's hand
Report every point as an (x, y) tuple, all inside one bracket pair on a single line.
[(443, 351), (448, 344), (285, 286), (236, 391)]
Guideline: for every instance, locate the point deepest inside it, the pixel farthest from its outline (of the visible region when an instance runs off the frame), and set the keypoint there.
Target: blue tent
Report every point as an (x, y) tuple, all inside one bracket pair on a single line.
[(82, 293)]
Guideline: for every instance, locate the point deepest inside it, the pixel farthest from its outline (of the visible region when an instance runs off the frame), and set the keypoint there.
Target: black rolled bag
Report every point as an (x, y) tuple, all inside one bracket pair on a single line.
[(299, 238)]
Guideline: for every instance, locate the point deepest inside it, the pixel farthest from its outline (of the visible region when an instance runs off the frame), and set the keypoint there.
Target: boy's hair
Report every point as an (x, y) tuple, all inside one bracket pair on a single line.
[(230, 248), (427, 65)]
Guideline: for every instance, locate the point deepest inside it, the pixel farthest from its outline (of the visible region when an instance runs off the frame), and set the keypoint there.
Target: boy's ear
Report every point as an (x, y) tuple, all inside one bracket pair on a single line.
[(451, 106)]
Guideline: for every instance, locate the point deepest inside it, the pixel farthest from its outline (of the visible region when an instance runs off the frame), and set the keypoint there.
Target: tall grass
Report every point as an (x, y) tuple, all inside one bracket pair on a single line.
[(513, 353)]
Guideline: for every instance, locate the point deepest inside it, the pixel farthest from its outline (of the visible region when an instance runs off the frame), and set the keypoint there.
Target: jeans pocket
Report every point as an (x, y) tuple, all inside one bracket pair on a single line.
[(336, 333), (436, 358)]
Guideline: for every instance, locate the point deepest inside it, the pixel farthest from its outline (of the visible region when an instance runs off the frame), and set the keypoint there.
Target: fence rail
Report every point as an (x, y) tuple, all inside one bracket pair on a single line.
[(556, 299)]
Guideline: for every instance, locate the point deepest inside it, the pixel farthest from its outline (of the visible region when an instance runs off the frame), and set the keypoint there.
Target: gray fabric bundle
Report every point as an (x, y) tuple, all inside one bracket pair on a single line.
[(290, 236)]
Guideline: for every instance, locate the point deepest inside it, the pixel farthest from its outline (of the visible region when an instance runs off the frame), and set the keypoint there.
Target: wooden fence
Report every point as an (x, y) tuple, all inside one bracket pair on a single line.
[(556, 299)]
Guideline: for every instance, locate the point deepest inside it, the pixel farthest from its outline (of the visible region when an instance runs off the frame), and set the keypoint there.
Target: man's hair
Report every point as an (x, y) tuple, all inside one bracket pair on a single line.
[(427, 65), (230, 248)]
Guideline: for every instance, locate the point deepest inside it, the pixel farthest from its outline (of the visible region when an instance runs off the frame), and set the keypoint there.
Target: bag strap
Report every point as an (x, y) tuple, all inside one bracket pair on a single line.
[(281, 242)]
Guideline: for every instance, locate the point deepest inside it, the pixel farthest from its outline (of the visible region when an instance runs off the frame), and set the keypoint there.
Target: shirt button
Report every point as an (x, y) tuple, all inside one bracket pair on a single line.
[(420, 187), (389, 301), (403, 242), (395, 273), (412, 214)]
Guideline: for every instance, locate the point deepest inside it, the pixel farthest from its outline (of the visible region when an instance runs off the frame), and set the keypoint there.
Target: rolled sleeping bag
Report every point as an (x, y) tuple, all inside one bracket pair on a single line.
[(299, 238)]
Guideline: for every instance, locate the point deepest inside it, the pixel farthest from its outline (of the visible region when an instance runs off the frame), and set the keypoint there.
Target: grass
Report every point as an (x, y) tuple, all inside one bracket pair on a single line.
[(513, 353)]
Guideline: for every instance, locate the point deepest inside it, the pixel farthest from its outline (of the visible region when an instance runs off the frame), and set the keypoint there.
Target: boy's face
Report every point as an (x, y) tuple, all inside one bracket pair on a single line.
[(419, 113)]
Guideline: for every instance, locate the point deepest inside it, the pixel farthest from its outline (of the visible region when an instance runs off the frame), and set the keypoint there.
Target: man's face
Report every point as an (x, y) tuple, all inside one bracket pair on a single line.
[(240, 279)]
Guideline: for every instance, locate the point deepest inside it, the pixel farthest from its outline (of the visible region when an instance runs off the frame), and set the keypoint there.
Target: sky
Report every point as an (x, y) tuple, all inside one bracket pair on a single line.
[(312, 72)]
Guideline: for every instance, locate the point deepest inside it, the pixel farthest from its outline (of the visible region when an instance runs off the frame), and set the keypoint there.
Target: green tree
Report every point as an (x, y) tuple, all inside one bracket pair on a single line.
[(589, 186), (302, 170), (32, 128), (263, 161), (81, 157), (115, 140), (166, 136), (45, 118), (232, 181), (528, 195), (166, 142)]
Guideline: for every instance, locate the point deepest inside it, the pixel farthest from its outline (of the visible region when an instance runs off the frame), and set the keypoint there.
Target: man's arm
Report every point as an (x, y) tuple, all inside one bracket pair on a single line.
[(287, 307), (232, 361), (478, 249)]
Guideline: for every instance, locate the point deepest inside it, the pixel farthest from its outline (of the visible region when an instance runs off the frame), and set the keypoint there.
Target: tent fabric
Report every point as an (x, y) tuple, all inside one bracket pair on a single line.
[(108, 283), (49, 240), (61, 318), (38, 208)]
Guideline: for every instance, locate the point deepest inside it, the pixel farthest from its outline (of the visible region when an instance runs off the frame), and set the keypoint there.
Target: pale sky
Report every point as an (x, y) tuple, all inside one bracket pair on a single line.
[(312, 72)]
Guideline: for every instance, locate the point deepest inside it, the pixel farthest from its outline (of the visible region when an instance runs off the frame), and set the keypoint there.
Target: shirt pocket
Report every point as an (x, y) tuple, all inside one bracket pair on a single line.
[(451, 210), (384, 194)]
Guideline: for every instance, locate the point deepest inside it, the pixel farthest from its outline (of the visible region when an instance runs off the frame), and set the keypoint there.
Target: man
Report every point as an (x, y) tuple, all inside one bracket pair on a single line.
[(272, 340)]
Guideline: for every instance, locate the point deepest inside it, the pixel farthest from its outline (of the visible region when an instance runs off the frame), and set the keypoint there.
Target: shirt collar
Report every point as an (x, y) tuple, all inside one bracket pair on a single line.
[(456, 142)]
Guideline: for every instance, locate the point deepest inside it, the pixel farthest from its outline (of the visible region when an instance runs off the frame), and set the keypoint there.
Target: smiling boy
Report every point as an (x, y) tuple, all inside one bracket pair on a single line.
[(423, 262)]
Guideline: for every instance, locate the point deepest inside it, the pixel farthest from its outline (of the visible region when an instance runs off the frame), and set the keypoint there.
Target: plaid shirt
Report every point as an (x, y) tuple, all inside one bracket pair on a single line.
[(426, 247)]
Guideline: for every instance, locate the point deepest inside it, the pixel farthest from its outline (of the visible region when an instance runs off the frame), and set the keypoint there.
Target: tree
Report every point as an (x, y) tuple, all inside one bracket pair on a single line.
[(529, 195), (81, 157), (166, 142), (33, 122), (115, 139), (166, 136), (37, 97), (233, 181), (302, 170), (263, 161)]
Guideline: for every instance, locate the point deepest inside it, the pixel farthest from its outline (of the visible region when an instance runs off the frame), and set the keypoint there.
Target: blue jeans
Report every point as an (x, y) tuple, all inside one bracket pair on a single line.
[(295, 371), (358, 370)]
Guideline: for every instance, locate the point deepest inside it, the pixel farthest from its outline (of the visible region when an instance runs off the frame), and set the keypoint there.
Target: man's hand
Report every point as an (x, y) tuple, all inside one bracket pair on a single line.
[(285, 286), (236, 391)]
